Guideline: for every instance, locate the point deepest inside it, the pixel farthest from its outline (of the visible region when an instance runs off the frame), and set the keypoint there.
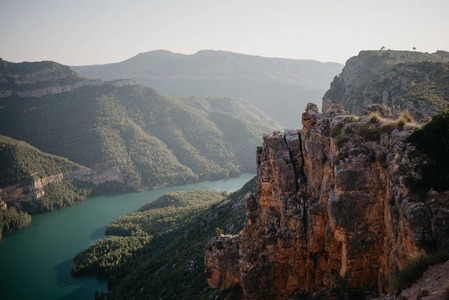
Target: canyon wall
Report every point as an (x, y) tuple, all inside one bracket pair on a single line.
[(330, 202), (14, 195), (45, 78)]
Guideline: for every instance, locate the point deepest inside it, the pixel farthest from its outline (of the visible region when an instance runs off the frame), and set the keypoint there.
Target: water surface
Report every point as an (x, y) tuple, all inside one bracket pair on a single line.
[(35, 262)]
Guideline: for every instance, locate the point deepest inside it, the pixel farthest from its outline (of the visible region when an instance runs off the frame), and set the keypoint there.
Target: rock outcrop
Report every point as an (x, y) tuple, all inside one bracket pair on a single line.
[(399, 79), (21, 192), (331, 201), (45, 78)]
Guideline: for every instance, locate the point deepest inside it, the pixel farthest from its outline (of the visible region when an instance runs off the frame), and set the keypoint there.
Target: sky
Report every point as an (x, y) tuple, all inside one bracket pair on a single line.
[(80, 32)]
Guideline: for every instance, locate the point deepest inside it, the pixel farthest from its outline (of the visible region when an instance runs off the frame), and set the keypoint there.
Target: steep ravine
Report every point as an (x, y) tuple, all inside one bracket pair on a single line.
[(331, 200)]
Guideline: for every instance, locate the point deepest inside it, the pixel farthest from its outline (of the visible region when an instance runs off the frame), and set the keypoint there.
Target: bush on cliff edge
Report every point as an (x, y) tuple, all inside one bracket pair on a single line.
[(433, 140)]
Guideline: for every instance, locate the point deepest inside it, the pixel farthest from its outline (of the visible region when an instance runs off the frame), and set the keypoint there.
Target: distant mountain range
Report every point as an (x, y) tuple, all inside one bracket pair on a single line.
[(119, 131), (279, 87)]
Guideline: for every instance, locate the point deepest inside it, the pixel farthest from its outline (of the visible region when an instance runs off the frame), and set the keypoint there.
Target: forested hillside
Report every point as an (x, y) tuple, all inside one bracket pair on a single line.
[(22, 163), (151, 139), (279, 87), (157, 252)]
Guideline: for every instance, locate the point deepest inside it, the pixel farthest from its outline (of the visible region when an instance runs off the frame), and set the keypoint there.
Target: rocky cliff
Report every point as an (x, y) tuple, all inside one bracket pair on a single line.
[(35, 181), (401, 80), (333, 199), (39, 79), (25, 191)]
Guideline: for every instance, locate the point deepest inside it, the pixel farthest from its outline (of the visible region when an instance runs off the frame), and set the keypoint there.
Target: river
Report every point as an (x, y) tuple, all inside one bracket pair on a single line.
[(35, 262)]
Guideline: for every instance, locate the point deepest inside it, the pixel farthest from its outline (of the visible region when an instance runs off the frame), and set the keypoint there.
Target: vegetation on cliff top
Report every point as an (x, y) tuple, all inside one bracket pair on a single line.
[(28, 76), (58, 195), (433, 140), (157, 252), (21, 162), (400, 79)]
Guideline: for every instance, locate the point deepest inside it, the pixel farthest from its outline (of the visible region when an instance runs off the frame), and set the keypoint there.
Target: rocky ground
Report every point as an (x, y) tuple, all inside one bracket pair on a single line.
[(432, 286)]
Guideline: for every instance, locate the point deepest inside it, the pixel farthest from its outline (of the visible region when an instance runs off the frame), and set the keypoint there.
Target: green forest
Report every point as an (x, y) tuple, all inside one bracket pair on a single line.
[(153, 139), (157, 251), (22, 163), (12, 220)]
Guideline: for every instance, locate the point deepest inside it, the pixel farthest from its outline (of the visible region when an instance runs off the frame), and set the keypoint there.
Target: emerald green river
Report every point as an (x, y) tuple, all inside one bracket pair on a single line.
[(35, 262)]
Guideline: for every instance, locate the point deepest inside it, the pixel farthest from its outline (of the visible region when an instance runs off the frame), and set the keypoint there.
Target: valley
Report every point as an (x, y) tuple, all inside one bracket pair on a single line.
[(40, 257), (301, 227)]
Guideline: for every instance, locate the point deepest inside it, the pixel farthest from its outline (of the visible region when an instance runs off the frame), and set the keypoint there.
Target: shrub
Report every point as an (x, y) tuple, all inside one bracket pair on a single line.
[(218, 232), (348, 130), (387, 128), (400, 124), (259, 149), (373, 117), (340, 140), (433, 139), (405, 116), (368, 132), (336, 130), (351, 119), (416, 266)]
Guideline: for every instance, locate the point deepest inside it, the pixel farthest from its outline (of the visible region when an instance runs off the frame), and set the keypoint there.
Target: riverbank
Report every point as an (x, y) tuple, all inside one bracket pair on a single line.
[(40, 256)]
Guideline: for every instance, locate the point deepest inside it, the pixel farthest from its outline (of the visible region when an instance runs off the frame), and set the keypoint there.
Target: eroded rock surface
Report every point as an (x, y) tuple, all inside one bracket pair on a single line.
[(323, 210)]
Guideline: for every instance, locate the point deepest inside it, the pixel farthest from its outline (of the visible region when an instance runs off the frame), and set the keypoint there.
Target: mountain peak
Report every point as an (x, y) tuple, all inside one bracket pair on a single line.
[(263, 81)]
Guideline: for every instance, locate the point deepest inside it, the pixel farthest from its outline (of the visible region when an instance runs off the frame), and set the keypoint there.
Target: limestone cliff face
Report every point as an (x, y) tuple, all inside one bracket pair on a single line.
[(16, 194), (323, 209), (45, 78)]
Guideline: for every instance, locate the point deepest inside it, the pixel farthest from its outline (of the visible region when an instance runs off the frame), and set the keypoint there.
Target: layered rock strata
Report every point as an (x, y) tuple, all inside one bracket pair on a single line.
[(45, 78), (328, 204), (34, 190)]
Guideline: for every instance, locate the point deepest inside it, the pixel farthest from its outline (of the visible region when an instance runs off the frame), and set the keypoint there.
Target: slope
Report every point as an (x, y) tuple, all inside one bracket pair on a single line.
[(157, 252), (32, 181), (418, 82), (271, 84), (152, 140)]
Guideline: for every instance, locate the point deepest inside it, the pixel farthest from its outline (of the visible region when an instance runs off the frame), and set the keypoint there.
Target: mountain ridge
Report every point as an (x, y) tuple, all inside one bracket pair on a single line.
[(134, 135), (268, 83)]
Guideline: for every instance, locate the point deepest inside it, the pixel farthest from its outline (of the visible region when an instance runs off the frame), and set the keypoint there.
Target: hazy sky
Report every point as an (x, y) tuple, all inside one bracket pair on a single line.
[(79, 32)]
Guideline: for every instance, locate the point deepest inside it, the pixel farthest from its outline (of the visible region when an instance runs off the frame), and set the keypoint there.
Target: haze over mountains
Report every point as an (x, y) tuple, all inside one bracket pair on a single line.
[(121, 131), (328, 170), (279, 87)]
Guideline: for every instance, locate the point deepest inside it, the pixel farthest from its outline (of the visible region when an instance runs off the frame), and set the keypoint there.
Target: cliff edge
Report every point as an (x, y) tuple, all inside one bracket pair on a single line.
[(412, 80), (333, 200)]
